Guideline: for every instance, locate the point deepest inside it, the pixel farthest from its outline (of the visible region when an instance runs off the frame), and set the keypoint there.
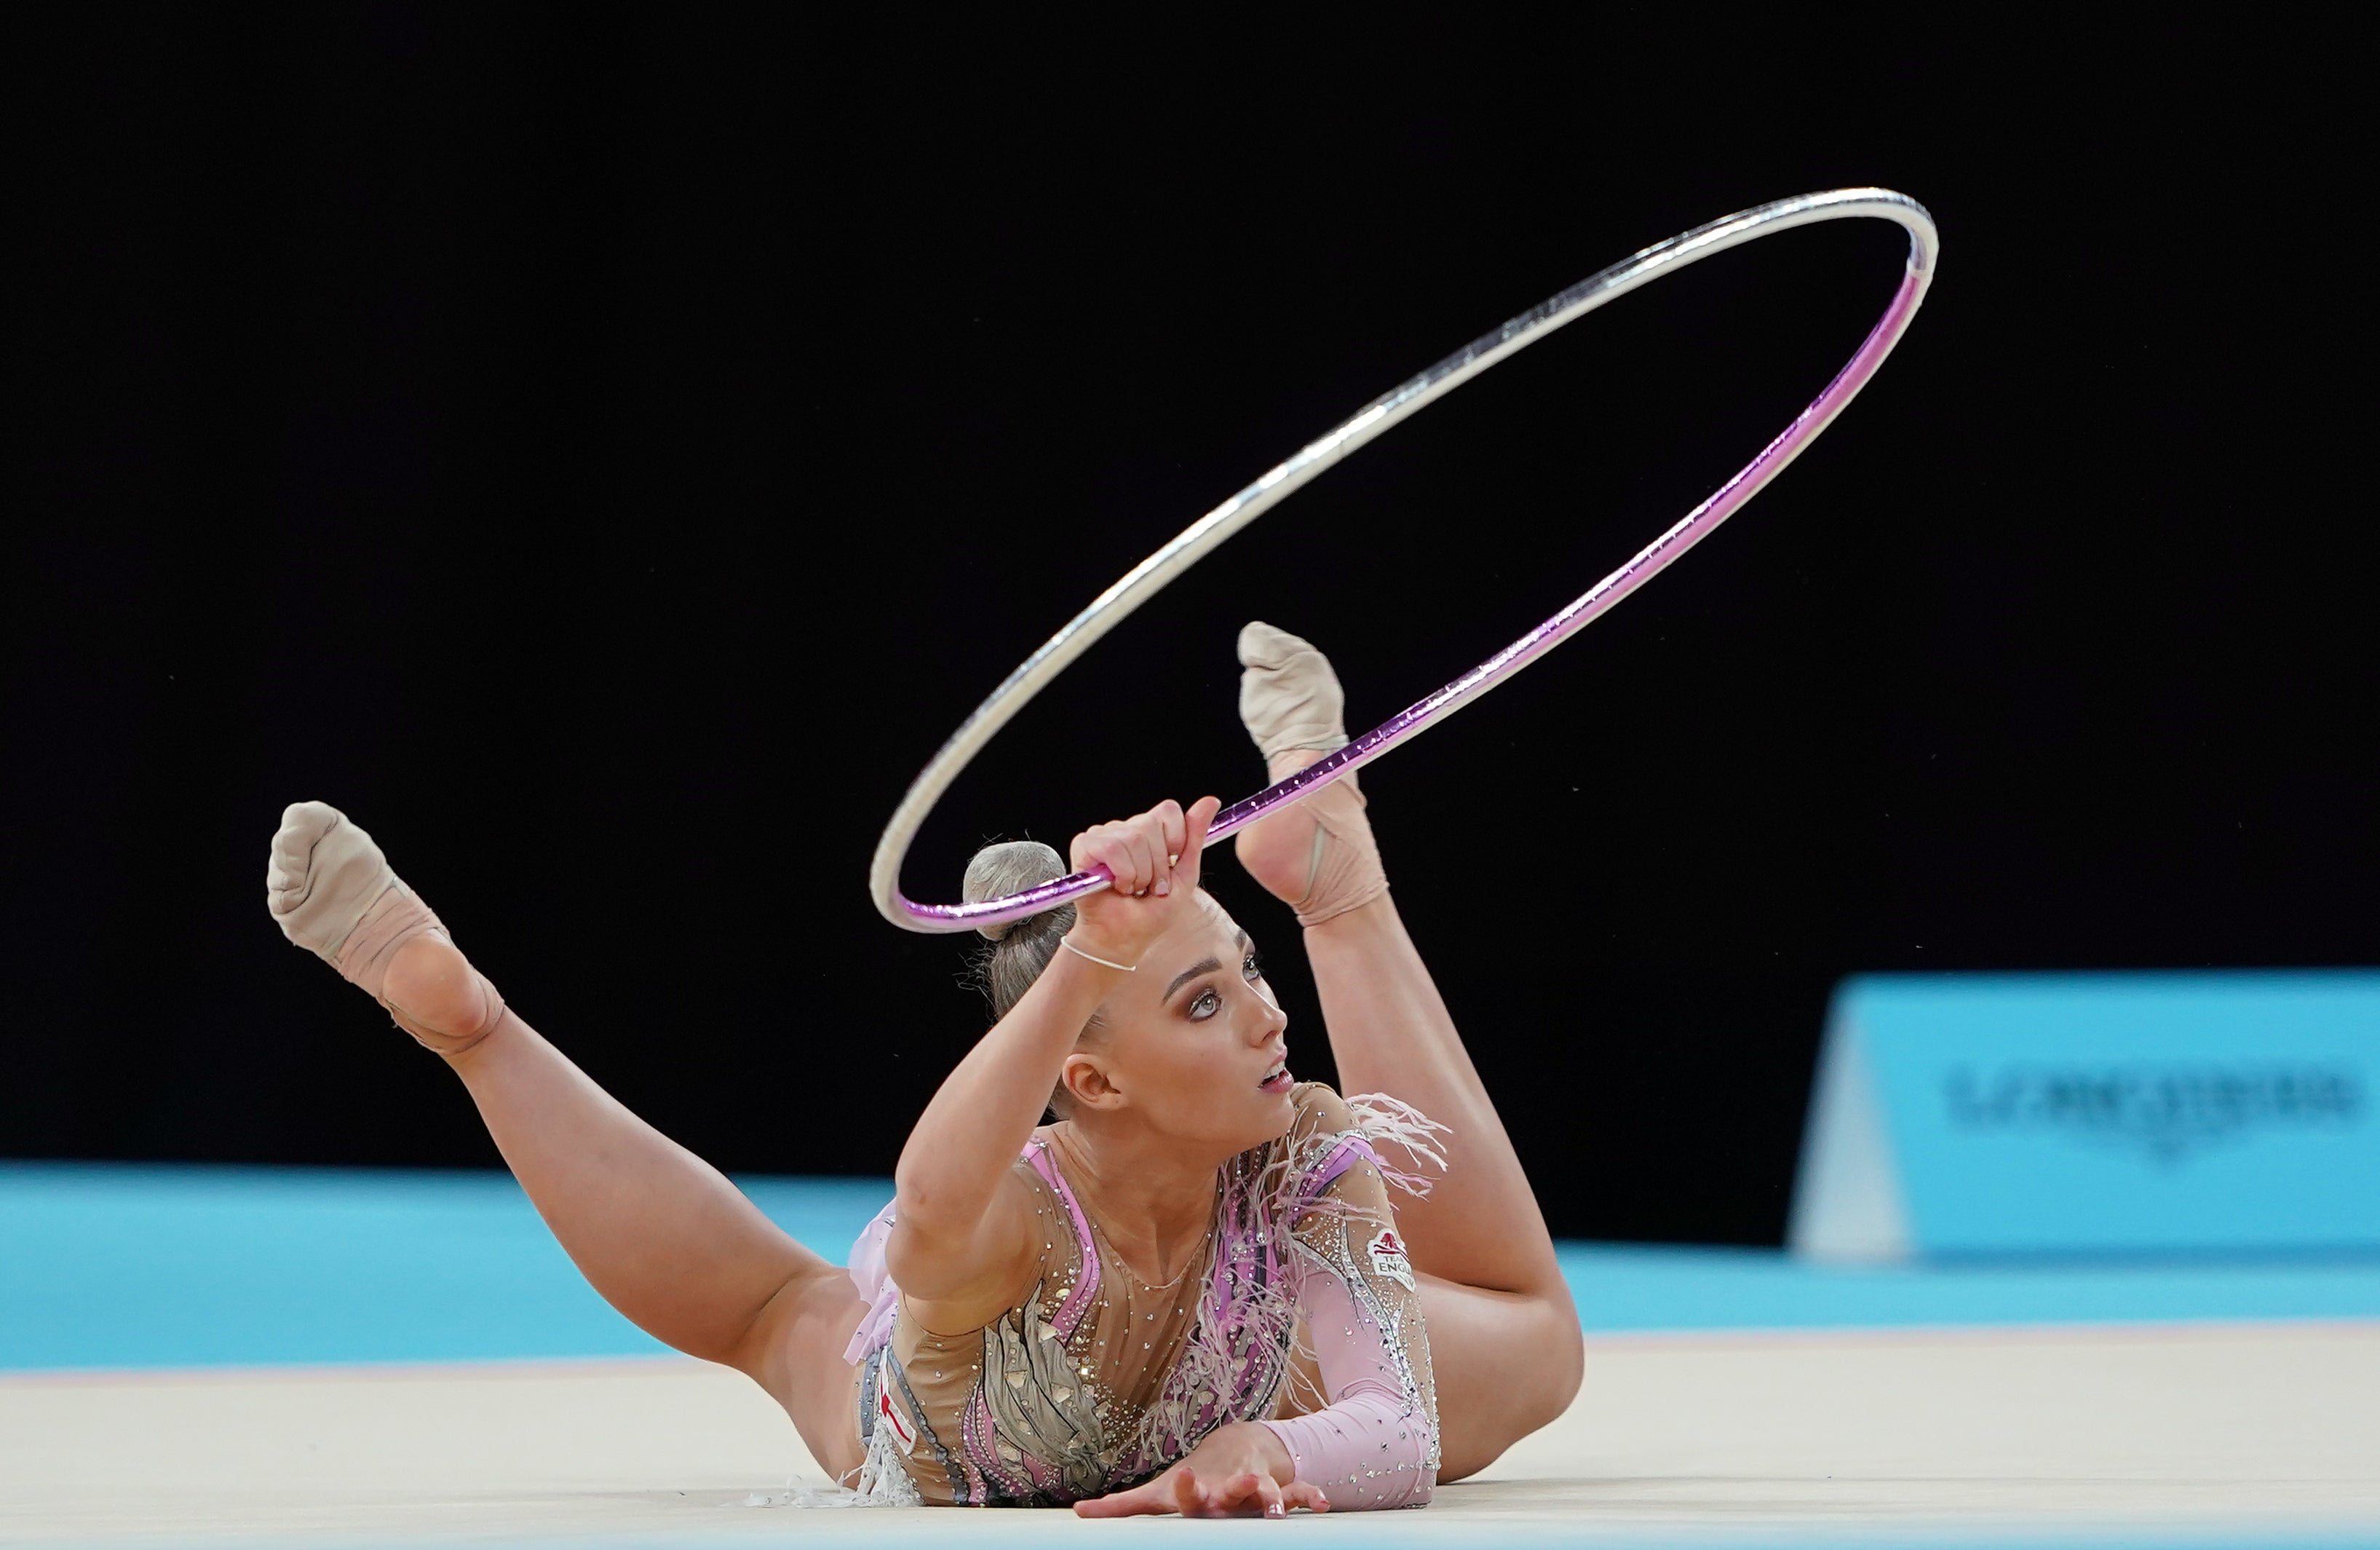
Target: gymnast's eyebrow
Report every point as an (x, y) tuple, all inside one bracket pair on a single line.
[(1207, 965), (1204, 966)]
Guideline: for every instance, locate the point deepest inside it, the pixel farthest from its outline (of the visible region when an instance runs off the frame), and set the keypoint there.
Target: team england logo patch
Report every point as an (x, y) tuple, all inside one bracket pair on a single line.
[(1388, 1252)]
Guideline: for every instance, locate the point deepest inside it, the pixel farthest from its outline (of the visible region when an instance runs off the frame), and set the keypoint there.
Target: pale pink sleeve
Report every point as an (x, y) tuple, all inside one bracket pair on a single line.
[(1375, 1443)]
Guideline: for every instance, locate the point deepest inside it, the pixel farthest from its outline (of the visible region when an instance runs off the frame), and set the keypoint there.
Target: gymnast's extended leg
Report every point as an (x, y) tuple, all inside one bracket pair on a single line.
[(1505, 1335), (661, 1234)]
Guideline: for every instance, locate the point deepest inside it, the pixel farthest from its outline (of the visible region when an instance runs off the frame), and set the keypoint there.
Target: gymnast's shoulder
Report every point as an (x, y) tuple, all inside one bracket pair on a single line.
[(1321, 1110)]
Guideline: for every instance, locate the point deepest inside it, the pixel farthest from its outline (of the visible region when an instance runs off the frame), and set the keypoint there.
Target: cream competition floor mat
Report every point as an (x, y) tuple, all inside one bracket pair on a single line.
[(2261, 1434), (281, 1356)]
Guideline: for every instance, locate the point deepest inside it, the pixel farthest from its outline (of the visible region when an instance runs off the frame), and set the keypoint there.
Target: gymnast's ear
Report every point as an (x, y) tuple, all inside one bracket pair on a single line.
[(1083, 1082)]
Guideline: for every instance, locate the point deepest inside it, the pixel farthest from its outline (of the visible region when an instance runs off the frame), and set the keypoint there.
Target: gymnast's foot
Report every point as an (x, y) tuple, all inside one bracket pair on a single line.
[(333, 893), (1317, 857)]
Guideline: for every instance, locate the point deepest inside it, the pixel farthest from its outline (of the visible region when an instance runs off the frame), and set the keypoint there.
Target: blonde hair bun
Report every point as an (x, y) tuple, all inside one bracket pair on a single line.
[(1010, 867)]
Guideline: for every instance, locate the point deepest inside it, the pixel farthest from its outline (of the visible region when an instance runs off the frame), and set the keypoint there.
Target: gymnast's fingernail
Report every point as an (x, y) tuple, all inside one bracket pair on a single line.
[(1164, 886), (1274, 1509)]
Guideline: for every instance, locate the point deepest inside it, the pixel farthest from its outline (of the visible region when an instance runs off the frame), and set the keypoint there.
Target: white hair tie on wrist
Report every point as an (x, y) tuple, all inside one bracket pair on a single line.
[(1127, 968)]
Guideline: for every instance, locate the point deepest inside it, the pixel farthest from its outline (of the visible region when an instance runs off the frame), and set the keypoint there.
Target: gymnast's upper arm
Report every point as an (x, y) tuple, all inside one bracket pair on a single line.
[(989, 1266)]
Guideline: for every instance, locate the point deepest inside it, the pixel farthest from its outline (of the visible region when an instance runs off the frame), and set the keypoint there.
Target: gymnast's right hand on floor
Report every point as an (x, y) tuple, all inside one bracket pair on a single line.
[(1239, 1470)]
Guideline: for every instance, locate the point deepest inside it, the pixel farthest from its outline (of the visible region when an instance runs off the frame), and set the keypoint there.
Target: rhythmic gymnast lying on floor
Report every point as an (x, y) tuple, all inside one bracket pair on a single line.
[(1191, 1293)]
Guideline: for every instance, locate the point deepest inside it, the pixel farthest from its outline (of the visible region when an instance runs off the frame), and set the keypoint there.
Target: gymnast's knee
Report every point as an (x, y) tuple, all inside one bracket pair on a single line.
[(1545, 1368), (1549, 1378), (1562, 1365)]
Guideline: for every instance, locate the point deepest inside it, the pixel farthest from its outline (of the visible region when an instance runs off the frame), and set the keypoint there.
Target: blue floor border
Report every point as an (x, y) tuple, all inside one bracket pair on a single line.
[(117, 1265)]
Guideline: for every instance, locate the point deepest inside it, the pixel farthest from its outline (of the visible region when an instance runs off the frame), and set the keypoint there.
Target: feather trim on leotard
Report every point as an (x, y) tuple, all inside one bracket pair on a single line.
[(1379, 1117), (1244, 1346), (1240, 1351)]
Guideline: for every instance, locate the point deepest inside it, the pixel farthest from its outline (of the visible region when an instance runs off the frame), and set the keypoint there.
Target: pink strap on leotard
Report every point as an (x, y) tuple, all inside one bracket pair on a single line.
[(874, 1283), (1068, 1314)]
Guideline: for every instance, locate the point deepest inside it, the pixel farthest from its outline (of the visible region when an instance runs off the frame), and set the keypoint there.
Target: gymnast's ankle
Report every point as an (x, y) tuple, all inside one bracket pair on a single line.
[(1319, 857), (331, 892), (432, 992)]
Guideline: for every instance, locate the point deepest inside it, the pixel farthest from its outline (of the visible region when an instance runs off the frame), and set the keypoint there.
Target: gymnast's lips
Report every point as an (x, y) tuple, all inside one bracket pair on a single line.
[(1276, 1081)]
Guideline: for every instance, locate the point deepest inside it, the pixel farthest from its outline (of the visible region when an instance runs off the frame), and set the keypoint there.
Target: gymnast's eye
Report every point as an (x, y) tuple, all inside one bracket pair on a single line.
[(1252, 967), (1205, 1004)]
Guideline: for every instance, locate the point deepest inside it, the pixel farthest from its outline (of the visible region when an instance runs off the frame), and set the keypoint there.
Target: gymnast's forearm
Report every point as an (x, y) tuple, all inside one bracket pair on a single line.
[(958, 1155), (1375, 1445), (660, 1234)]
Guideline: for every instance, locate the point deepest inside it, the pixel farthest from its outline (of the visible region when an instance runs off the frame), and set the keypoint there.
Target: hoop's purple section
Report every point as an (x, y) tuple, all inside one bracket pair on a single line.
[(1649, 562), (1606, 594)]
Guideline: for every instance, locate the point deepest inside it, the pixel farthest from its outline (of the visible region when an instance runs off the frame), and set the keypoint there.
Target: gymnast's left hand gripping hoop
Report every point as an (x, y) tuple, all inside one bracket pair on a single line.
[(1275, 484)]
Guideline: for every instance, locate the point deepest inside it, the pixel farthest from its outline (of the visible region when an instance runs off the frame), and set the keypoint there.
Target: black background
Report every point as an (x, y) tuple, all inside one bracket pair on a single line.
[(606, 455)]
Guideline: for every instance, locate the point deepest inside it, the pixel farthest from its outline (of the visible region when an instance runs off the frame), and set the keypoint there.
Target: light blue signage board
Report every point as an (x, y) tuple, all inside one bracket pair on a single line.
[(2095, 1113)]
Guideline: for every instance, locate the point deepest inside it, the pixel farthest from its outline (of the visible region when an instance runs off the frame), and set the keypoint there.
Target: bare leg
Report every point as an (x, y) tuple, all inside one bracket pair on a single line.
[(1505, 1343), (1391, 1032), (661, 1234)]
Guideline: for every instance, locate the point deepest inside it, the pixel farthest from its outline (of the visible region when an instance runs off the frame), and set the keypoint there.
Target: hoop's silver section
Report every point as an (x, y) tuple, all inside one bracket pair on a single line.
[(1276, 484)]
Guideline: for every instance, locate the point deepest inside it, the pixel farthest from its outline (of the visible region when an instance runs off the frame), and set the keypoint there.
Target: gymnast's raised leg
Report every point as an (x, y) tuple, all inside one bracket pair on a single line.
[(660, 1233), (1503, 1331)]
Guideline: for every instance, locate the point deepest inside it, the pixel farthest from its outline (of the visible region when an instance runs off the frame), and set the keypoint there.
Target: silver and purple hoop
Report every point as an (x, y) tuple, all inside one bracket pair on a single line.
[(1193, 542)]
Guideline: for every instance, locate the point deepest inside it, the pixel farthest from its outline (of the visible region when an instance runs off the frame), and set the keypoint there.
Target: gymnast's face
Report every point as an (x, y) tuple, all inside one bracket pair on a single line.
[(1193, 1045)]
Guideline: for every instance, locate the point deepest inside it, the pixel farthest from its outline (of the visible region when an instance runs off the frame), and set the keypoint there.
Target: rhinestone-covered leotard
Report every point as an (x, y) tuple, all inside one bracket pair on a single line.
[(1096, 1382)]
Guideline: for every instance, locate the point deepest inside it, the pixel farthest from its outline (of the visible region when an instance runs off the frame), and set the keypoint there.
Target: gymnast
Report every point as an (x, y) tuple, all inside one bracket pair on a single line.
[(1190, 1292)]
